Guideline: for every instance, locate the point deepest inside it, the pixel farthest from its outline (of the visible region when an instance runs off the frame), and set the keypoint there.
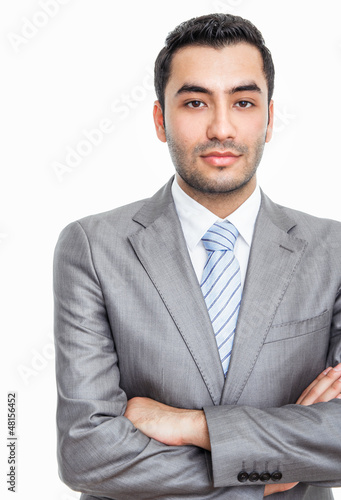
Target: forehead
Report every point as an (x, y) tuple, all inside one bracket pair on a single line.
[(217, 69)]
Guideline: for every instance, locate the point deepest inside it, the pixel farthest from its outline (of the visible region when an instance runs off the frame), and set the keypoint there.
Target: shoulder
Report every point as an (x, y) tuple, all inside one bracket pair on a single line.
[(311, 223), (306, 226), (118, 220), (282, 214), (318, 232), (125, 220)]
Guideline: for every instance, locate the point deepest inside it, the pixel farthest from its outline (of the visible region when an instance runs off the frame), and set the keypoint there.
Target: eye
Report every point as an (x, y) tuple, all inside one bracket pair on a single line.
[(195, 104), (244, 104)]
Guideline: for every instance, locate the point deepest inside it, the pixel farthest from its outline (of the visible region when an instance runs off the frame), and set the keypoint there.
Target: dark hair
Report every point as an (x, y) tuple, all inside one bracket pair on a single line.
[(213, 30)]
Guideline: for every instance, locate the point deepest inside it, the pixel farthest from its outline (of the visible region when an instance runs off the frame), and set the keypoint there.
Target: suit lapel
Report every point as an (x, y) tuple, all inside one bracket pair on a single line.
[(274, 257), (275, 254), (160, 246)]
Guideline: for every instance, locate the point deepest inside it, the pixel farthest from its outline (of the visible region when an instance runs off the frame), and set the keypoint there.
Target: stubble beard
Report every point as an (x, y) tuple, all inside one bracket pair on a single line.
[(221, 185)]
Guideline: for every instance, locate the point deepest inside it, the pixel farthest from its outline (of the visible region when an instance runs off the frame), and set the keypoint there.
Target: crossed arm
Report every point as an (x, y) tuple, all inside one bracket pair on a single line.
[(178, 427), (91, 403)]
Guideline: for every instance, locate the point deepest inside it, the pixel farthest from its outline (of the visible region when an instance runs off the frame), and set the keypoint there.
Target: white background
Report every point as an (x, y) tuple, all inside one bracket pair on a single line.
[(65, 78)]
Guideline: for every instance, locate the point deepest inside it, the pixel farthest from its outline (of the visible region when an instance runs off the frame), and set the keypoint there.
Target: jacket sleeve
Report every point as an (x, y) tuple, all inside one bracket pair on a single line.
[(302, 442), (99, 451)]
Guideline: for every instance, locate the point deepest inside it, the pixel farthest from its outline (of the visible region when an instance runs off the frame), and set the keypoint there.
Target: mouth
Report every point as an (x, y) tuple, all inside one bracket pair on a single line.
[(221, 158)]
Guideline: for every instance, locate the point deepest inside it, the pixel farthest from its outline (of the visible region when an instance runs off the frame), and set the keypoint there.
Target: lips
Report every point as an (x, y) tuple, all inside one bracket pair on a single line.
[(220, 154), (220, 158)]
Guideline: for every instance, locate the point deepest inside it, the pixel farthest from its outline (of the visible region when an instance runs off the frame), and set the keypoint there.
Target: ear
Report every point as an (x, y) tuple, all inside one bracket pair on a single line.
[(270, 126), (158, 121)]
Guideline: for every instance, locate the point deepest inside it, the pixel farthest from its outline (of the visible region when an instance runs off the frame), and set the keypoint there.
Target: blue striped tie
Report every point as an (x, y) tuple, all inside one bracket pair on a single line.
[(221, 286)]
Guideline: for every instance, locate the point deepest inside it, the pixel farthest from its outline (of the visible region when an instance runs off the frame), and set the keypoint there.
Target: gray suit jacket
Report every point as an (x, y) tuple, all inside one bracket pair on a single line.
[(130, 320)]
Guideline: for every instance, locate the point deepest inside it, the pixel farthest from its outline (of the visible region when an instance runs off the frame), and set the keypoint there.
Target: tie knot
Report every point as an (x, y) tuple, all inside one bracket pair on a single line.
[(221, 236)]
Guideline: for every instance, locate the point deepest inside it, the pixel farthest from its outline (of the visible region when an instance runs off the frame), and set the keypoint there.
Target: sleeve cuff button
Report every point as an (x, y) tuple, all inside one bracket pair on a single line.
[(253, 477), (243, 476), (265, 476), (276, 476)]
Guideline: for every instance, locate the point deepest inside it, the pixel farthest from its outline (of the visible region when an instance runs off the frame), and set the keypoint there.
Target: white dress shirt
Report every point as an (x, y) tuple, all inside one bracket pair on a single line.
[(195, 221)]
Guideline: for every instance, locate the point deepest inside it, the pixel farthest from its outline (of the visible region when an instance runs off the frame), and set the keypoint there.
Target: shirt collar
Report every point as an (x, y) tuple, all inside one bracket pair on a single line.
[(195, 219)]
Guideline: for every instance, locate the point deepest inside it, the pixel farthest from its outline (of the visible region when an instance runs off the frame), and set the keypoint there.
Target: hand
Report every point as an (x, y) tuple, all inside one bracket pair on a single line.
[(172, 426), (178, 427), (270, 489), (325, 387)]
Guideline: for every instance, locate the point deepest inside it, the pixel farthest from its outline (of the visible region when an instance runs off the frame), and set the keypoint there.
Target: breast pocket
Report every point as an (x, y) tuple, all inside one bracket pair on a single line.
[(292, 356), (292, 329)]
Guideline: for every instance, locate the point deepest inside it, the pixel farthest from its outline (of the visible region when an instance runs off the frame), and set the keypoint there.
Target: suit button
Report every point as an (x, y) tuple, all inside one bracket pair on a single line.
[(276, 476), (243, 476), (265, 476), (253, 477)]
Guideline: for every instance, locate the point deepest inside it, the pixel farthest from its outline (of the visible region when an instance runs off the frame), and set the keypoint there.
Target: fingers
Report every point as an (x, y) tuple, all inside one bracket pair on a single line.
[(310, 386), (325, 387), (270, 489)]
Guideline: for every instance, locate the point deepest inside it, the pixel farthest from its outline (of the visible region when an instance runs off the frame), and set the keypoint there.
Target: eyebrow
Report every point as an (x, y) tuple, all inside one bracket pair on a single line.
[(250, 87), (189, 88), (192, 88)]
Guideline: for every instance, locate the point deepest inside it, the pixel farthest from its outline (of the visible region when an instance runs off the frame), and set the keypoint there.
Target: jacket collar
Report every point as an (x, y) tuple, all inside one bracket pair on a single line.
[(275, 255)]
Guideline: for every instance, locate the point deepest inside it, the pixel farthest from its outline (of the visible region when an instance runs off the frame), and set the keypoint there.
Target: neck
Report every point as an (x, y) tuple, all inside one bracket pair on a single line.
[(221, 204)]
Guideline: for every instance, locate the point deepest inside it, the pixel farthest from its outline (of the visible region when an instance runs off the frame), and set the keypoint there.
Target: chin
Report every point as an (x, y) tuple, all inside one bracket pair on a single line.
[(218, 187), (214, 185)]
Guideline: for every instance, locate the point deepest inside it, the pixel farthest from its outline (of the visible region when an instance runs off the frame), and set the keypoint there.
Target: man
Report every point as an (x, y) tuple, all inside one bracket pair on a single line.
[(188, 325)]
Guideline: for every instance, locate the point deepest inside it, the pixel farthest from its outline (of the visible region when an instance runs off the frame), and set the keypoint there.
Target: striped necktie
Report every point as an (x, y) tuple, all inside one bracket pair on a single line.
[(221, 286)]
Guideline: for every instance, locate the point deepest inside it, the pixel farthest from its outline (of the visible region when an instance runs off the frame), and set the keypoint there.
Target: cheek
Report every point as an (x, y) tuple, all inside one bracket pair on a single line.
[(254, 131), (183, 128)]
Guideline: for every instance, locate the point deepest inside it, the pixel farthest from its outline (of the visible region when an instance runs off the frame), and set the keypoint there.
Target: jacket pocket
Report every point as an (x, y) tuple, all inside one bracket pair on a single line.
[(292, 329)]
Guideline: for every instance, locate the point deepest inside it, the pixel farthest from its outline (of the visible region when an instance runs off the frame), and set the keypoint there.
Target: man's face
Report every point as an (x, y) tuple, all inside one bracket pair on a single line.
[(217, 117)]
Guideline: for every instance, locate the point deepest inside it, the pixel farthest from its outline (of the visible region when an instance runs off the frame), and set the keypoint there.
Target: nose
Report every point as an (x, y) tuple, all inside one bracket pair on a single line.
[(221, 125)]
